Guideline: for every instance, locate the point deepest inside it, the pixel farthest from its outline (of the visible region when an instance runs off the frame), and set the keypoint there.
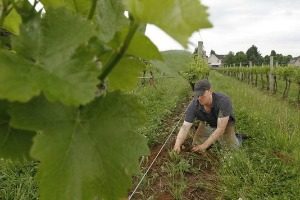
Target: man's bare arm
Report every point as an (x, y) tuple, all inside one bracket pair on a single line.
[(184, 130)]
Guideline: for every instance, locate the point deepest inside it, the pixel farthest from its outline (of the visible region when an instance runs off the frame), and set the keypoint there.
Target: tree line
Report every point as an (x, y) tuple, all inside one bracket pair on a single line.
[(253, 55)]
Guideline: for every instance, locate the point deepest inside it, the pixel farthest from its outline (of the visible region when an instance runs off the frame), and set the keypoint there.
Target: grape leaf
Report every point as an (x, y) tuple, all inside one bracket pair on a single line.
[(179, 18), (125, 75), (80, 6), (25, 10), (12, 22), (110, 18), (14, 144), (140, 46), (86, 153), (69, 76), (18, 79)]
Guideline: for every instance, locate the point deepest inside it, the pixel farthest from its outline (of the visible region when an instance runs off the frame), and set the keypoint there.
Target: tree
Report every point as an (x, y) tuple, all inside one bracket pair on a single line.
[(229, 58), (254, 55), (240, 57), (281, 59), (273, 53), (266, 60)]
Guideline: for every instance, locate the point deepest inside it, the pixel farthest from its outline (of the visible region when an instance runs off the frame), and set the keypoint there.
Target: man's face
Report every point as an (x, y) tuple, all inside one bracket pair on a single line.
[(205, 99)]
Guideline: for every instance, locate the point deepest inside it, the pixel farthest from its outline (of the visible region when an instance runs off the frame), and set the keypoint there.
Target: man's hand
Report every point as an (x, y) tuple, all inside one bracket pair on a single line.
[(199, 148), (176, 148), (182, 135)]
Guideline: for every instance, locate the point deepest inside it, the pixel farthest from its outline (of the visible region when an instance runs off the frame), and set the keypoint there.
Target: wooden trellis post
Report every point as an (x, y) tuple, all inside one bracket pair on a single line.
[(271, 77)]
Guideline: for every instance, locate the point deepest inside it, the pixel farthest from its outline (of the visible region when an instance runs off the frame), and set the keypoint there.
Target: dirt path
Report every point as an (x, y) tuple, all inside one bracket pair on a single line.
[(185, 176)]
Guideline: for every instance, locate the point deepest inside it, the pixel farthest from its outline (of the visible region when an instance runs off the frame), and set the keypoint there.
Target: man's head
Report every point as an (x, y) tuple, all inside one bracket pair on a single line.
[(202, 92)]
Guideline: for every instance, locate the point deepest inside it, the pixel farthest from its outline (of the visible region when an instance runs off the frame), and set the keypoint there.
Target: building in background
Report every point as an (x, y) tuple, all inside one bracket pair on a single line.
[(295, 61), (215, 60)]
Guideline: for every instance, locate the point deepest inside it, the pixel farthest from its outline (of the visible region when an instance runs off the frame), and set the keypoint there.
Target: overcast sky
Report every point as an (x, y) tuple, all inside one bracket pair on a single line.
[(238, 24)]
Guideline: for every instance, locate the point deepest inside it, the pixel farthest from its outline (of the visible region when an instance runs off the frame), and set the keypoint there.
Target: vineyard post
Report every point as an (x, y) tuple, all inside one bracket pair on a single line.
[(275, 78), (240, 74), (250, 73), (271, 77), (262, 77)]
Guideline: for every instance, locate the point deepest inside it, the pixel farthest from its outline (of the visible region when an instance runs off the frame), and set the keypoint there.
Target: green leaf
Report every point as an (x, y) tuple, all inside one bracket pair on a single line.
[(79, 6), (110, 18), (62, 32), (125, 75), (48, 59), (86, 153), (25, 10), (54, 33), (75, 82), (12, 22), (141, 46), (142, 28), (29, 38), (14, 144), (18, 78), (5, 39), (179, 18)]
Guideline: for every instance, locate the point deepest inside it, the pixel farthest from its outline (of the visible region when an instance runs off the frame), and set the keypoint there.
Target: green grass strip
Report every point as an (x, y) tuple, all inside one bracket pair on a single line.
[(268, 165), (160, 101)]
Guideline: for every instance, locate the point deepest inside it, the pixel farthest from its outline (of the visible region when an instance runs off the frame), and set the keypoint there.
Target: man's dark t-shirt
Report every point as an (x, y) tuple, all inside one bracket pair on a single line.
[(221, 107)]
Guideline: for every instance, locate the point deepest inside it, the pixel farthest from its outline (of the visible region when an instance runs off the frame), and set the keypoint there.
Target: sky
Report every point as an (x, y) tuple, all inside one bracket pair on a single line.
[(239, 24)]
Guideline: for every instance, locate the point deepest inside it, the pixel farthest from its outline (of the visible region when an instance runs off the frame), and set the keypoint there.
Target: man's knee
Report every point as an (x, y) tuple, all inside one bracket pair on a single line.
[(201, 134), (229, 130), (229, 138)]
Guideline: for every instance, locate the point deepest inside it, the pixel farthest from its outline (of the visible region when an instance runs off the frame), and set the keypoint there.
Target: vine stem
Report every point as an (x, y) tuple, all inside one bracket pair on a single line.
[(92, 10), (114, 59)]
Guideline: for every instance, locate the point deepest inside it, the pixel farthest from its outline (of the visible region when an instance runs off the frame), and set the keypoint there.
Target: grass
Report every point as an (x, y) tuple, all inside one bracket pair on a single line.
[(268, 166), (16, 180), (161, 101), (175, 170)]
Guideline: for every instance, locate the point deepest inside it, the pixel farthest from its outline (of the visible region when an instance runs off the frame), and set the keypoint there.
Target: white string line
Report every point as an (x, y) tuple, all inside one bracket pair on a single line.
[(155, 158)]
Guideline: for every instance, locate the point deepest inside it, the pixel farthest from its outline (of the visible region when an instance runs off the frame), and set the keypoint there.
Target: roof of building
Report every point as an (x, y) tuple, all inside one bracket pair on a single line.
[(221, 57), (295, 61)]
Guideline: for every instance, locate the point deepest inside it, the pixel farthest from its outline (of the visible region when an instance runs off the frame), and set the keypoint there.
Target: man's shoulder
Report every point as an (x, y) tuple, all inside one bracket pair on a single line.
[(194, 102), (221, 98), (191, 111), (221, 95)]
